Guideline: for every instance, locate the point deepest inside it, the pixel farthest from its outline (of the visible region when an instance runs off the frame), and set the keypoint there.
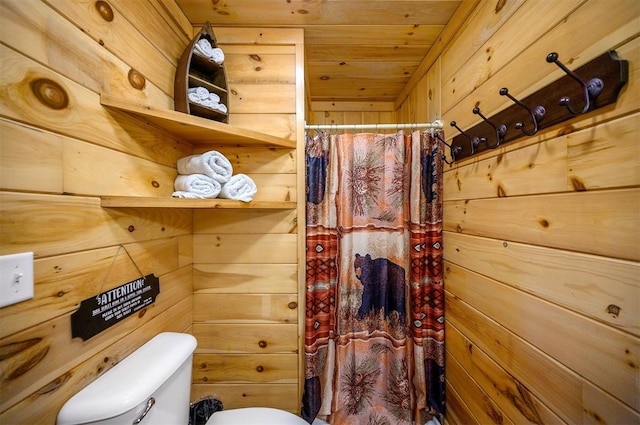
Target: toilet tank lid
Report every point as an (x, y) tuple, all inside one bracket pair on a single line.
[(130, 382)]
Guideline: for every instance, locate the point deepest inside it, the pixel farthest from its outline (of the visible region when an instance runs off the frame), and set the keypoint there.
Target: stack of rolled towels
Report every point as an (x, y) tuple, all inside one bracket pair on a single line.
[(210, 175), (202, 96), (204, 47)]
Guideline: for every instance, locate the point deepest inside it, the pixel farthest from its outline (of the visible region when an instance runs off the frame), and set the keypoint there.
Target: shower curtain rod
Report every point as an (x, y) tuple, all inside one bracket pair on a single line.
[(436, 124)]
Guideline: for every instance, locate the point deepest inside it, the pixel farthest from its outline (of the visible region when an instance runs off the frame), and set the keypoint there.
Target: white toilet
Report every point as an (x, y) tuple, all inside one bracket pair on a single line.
[(151, 387)]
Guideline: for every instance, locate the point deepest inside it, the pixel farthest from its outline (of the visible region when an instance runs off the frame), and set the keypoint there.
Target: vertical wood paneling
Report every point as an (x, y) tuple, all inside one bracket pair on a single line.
[(542, 311)]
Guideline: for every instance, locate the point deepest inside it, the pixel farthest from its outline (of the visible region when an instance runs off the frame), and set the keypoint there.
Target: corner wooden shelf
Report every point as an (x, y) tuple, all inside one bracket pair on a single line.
[(196, 130), (158, 202)]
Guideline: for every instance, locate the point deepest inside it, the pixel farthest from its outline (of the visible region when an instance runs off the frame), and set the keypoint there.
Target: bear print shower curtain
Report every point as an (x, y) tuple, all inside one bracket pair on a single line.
[(374, 338)]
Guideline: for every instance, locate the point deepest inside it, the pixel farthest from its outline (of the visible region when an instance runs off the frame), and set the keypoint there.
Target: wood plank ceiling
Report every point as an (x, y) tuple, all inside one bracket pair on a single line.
[(356, 50)]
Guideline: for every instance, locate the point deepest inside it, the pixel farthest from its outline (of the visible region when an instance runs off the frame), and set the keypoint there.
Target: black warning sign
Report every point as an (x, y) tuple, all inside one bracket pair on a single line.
[(104, 310)]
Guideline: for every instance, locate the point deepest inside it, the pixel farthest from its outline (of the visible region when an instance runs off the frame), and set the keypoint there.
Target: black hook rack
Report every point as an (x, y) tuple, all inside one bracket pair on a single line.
[(600, 82)]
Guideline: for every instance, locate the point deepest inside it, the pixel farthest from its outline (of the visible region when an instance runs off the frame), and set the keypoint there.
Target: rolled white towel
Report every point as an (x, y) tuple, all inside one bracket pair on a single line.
[(208, 103), (213, 105), (214, 97), (240, 187), (212, 164), (195, 186), (217, 55), (193, 97), (186, 195), (200, 92), (204, 47)]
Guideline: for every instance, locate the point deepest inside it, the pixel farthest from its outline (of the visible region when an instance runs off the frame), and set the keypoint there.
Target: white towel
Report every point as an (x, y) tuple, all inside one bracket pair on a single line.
[(195, 186), (212, 164), (186, 195), (200, 92), (213, 105), (193, 97), (213, 97), (209, 103), (217, 55), (240, 187), (204, 47)]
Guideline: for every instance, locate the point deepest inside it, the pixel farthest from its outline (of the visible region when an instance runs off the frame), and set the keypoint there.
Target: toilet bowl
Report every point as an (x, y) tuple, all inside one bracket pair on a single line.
[(255, 415), (151, 387)]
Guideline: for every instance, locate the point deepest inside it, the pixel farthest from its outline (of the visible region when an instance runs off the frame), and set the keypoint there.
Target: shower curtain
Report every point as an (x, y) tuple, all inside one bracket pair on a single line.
[(374, 325)]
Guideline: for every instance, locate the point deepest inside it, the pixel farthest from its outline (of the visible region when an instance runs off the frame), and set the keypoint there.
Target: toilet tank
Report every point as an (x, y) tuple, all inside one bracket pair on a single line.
[(156, 377)]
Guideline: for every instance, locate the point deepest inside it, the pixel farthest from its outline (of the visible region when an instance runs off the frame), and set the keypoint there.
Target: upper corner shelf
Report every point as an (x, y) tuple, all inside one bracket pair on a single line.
[(200, 85), (194, 129)]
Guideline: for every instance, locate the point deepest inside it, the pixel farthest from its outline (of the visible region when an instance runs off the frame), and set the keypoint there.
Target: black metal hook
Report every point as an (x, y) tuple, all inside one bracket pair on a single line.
[(591, 89), (536, 114), (473, 141), (500, 130), (454, 150)]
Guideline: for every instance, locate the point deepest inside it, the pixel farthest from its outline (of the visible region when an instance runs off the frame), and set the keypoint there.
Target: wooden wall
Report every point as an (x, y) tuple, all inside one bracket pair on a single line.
[(542, 287), (541, 241), (330, 113), (60, 151), (246, 273)]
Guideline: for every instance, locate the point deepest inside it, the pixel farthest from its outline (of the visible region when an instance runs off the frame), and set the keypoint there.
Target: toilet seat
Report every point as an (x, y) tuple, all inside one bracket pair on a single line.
[(255, 416)]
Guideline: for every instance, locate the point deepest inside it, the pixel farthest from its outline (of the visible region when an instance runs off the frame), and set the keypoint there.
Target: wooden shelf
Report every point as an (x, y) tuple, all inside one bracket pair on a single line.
[(194, 129), (151, 202), (205, 62), (194, 68), (196, 80), (206, 112)]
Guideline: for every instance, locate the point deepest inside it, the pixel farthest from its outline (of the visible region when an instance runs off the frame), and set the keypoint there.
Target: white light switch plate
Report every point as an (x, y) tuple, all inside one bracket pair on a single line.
[(16, 278)]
